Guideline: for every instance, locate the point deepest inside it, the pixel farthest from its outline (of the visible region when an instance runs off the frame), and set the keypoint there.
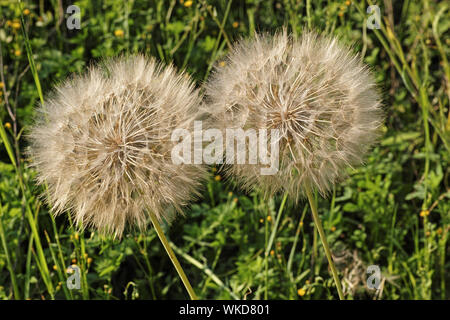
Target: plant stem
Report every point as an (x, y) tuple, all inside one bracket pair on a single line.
[(172, 256), (323, 238), (8, 259)]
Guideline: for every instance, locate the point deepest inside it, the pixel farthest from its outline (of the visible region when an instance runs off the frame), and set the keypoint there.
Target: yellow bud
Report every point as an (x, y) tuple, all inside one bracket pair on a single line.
[(424, 213), (119, 33), (15, 25)]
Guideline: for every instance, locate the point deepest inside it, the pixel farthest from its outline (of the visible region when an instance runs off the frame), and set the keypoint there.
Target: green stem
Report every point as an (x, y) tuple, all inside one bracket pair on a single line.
[(308, 13), (323, 238), (8, 260), (172, 256)]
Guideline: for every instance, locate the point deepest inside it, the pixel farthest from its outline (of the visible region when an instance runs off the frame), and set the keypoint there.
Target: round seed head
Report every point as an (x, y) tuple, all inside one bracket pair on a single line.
[(102, 144), (319, 96)]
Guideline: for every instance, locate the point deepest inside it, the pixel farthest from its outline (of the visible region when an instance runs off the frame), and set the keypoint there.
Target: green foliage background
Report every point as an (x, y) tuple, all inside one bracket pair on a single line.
[(393, 212)]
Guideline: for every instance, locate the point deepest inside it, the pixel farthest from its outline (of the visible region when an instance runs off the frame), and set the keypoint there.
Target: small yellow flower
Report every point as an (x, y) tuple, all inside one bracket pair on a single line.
[(301, 292), (15, 25), (89, 260), (439, 231), (26, 12), (76, 236), (217, 178), (119, 33), (8, 125), (74, 260), (272, 252), (341, 14), (348, 2), (235, 24), (1, 85), (424, 213), (307, 282), (188, 3), (235, 200), (222, 64), (301, 223), (428, 41), (230, 194), (269, 218), (333, 229), (261, 220), (17, 53), (427, 233), (9, 23), (55, 267)]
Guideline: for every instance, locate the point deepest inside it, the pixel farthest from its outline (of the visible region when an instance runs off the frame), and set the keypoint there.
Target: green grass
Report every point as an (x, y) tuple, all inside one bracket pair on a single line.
[(393, 212)]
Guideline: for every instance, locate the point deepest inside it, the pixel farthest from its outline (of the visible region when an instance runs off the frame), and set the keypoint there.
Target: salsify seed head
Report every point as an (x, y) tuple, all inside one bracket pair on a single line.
[(102, 144), (315, 91)]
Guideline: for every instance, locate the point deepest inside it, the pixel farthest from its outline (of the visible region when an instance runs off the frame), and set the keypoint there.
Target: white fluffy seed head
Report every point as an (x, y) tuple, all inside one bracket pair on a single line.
[(102, 144), (315, 91)]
